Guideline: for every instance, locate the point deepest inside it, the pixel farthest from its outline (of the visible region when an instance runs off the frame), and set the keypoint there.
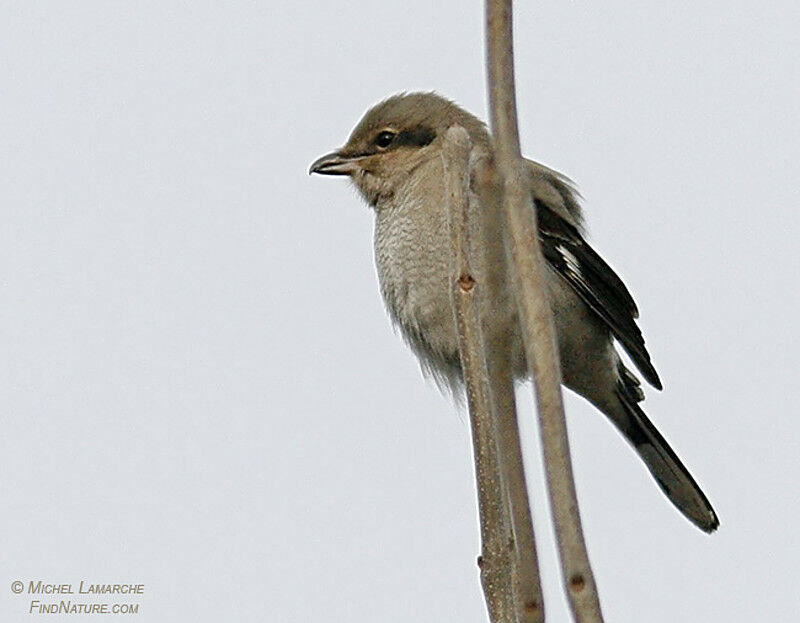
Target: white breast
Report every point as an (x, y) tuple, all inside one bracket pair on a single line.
[(412, 254)]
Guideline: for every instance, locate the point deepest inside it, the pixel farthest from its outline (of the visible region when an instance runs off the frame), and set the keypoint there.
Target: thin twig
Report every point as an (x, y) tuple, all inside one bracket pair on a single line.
[(535, 315), (526, 585), (492, 505)]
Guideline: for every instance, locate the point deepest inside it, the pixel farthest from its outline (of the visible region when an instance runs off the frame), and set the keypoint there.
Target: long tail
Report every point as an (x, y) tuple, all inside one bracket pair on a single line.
[(671, 475)]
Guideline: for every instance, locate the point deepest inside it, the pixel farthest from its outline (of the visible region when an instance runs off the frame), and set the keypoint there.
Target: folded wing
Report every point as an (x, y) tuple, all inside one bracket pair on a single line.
[(595, 282)]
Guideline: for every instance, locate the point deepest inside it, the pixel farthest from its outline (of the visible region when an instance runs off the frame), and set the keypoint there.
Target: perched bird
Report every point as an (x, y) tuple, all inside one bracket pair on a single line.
[(393, 157)]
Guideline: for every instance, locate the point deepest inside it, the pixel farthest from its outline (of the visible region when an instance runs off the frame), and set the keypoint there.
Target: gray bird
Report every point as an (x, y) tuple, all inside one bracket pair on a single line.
[(393, 157)]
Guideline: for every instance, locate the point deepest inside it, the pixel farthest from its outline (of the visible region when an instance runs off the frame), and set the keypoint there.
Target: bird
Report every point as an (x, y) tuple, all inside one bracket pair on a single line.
[(393, 158)]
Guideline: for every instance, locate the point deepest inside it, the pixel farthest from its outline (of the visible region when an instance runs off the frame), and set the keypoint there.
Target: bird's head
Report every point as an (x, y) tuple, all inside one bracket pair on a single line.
[(393, 139)]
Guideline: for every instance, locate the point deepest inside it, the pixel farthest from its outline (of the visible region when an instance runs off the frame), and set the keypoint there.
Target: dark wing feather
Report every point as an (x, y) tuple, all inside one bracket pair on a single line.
[(596, 283)]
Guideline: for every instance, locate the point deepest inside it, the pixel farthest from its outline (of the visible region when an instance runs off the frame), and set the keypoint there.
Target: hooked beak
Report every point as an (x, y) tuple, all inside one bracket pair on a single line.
[(335, 163)]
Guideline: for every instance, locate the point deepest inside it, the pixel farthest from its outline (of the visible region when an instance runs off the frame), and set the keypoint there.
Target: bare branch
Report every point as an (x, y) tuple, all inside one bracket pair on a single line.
[(528, 599), (535, 314), (492, 504)]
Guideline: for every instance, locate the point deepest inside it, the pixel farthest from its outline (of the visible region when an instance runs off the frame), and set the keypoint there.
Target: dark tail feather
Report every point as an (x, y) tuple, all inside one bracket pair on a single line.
[(671, 475)]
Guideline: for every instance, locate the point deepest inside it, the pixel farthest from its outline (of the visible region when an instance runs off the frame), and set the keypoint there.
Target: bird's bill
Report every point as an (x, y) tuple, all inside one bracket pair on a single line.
[(335, 163)]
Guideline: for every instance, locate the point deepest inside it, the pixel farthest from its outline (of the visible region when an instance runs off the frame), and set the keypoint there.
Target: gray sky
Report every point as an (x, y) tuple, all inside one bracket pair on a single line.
[(201, 392)]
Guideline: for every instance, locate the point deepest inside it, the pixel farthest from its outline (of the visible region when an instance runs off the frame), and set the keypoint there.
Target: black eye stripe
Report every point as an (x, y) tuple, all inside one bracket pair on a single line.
[(418, 137), (386, 139)]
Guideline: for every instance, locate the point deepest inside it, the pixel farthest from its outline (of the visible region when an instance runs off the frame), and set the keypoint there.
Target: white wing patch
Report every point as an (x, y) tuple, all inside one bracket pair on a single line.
[(571, 261)]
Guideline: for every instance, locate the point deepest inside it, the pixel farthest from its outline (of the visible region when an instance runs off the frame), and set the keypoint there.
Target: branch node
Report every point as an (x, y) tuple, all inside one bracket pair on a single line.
[(577, 583), (466, 282), (531, 606)]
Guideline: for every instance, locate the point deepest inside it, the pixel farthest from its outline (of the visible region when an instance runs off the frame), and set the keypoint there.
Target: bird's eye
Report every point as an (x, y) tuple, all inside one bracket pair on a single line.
[(384, 139)]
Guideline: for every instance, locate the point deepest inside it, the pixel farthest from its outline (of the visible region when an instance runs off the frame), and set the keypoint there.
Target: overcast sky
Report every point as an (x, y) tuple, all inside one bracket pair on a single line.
[(200, 390)]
